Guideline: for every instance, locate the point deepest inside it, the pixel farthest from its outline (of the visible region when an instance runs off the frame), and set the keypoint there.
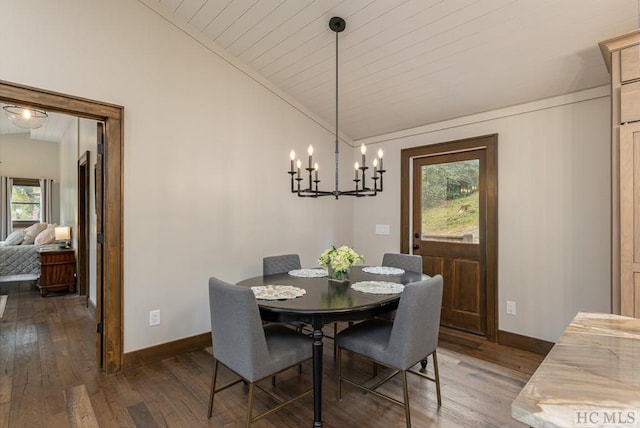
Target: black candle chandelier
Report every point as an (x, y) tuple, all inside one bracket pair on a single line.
[(361, 188)]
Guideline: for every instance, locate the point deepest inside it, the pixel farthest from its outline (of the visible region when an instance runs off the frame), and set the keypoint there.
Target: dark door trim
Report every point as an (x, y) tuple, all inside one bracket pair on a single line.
[(490, 144), (113, 118), (84, 196)]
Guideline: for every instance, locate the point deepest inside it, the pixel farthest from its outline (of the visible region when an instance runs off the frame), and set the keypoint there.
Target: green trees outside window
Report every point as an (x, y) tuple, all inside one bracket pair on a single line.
[(450, 198), (25, 201)]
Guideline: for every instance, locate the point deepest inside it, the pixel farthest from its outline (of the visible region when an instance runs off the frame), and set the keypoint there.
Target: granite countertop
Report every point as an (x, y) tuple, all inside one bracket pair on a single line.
[(591, 377)]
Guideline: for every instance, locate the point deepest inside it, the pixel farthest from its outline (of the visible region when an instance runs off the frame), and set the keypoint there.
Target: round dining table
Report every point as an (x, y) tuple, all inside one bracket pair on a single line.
[(327, 301)]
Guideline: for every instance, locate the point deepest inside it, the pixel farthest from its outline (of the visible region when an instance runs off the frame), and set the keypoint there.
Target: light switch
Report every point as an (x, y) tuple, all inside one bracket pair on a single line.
[(382, 229)]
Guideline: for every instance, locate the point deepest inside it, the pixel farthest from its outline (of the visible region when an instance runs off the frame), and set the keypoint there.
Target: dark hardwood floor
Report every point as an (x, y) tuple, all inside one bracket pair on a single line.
[(48, 378)]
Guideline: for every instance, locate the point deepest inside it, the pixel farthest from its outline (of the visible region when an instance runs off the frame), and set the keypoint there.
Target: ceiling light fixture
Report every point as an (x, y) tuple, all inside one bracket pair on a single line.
[(24, 117), (361, 189)]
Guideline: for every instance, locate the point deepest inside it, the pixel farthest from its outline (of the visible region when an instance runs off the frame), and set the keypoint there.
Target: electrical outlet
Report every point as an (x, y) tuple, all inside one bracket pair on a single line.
[(511, 307), (154, 317)]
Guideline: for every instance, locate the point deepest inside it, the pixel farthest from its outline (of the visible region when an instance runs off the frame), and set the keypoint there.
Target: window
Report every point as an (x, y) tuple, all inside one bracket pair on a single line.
[(450, 201), (25, 201)]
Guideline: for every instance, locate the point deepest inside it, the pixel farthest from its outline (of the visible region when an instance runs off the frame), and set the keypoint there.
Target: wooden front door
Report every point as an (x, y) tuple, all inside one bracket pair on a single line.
[(453, 226)]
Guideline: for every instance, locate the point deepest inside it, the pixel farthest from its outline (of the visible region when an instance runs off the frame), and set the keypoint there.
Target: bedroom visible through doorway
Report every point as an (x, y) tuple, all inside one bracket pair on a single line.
[(109, 250)]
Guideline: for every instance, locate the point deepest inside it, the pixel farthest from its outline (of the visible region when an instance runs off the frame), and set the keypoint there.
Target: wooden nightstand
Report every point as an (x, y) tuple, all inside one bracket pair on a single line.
[(57, 270)]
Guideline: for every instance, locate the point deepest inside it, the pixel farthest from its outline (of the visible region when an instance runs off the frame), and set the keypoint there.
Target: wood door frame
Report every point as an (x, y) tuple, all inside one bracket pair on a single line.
[(84, 223), (113, 118), (490, 144)]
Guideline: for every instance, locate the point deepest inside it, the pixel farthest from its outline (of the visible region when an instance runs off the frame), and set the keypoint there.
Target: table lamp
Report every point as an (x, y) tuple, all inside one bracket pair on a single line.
[(63, 233)]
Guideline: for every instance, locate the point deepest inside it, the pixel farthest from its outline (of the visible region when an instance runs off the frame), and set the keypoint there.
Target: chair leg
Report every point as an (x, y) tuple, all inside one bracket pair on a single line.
[(335, 333), (213, 388), (250, 405), (339, 361), (437, 377), (273, 381), (375, 369), (405, 390)]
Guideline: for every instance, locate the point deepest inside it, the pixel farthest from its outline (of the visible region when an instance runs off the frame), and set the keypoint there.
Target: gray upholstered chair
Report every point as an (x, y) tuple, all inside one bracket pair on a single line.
[(273, 265), (403, 261), (245, 346), (280, 264), (407, 262), (401, 343)]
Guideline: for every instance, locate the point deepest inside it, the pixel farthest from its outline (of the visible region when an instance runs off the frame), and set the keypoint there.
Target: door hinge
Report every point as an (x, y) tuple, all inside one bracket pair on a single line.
[(100, 238), (100, 328)]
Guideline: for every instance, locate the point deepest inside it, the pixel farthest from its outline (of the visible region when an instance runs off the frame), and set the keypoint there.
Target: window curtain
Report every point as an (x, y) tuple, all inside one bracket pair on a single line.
[(6, 184), (46, 200)]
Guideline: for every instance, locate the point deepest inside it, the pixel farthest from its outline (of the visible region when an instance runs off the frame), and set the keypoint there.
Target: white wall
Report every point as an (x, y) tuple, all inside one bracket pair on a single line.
[(22, 157), (205, 154), (69, 180), (553, 206)]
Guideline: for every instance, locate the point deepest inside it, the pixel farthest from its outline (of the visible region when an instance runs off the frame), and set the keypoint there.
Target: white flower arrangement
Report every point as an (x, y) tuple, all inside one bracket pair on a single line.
[(339, 259)]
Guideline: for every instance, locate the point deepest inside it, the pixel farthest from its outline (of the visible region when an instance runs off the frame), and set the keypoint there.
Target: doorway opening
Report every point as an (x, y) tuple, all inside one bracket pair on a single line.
[(109, 281)]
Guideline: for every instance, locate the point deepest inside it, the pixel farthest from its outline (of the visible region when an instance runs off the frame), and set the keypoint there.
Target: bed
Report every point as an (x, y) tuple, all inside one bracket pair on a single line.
[(19, 260)]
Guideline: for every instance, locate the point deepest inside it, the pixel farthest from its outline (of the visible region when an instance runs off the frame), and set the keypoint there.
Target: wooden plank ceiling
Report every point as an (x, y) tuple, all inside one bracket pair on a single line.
[(405, 63)]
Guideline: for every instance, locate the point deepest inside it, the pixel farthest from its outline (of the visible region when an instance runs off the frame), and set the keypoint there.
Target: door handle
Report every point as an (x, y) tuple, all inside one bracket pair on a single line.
[(416, 246)]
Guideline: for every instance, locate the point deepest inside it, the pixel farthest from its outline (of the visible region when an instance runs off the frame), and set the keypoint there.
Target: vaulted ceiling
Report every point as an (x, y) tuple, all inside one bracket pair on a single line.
[(403, 63), (406, 63)]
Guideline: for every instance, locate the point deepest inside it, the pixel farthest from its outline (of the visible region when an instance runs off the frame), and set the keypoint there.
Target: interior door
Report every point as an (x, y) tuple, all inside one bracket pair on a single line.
[(449, 217), (99, 183)]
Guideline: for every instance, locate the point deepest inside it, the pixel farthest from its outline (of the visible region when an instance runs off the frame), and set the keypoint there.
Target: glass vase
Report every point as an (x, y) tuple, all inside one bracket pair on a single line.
[(338, 275)]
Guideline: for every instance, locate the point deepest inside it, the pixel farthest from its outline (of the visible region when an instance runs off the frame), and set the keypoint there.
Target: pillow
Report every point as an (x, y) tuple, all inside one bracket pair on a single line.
[(14, 238), (47, 236), (32, 231)]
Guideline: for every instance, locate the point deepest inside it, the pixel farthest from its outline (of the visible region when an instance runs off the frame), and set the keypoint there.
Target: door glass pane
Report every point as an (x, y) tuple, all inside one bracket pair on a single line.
[(450, 202)]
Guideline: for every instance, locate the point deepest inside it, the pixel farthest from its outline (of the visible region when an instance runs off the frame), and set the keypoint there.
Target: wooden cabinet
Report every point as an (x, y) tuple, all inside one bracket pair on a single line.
[(629, 59), (630, 102), (622, 57), (630, 219), (57, 271)]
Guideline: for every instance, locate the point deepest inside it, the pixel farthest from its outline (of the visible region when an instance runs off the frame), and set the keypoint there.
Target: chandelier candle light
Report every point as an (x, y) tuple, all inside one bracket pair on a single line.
[(337, 25)]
